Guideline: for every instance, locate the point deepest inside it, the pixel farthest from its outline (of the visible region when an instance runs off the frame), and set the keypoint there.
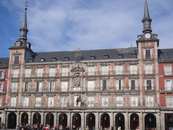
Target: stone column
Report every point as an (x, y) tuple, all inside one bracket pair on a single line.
[(111, 119), (126, 115), (141, 127), (96, 121), (42, 118), (162, 122), (82, 120), (29, 118), (54, 114), (69, 119), (158, 121), (18, 118)]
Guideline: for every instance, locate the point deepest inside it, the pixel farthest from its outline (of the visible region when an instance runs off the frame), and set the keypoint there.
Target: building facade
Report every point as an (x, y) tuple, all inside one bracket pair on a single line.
[(109, 88)]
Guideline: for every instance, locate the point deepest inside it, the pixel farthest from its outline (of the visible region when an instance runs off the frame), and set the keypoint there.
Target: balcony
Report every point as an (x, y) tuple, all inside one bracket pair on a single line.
[(145, 57)]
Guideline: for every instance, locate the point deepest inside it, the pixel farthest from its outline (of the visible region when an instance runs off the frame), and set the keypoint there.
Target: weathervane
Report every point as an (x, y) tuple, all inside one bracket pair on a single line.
[(26, 4)]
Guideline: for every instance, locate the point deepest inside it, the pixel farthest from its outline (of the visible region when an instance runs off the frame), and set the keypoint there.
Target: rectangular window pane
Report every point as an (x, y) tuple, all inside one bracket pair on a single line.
[(13, 101), (15, 73), (104, 70), (90, 101), (27, 72), (63, 101), (1, 74), (16, 60), (168, 85), (119, 69), (119, 84), (133, 69), (168, 69), (39, 72), (104, 101), (169, 101), (64, 86), (134, 101), (14, 87), (51, 86), (149, 101), (90, 85), (50, 101), (148, 54), (38, 101), (51, 71), (119, 101), (1, 87), (25, 101), (91, 70), (148, 69)]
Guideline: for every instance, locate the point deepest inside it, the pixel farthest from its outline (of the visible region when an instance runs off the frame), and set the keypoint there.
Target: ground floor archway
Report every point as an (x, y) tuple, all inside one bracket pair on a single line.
[(150, 121), (119, 121), (12, 120), (90, 121)]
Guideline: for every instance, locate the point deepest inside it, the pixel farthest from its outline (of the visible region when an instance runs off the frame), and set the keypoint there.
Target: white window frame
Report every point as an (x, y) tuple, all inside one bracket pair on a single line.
[(104, 70), (52, 72), (90, 101), (51, 86), (105, 101), (133, 69), (15, 73), (91, 70), (1, 101), (39, 72), (169, 101), (38, 101), (107, 84), (64, 101), (149, 70), (146, 54), (1, 87), (2, 74), (26, 88), (39, 86), (13, 101), (134, 101), (119, 101), (27, 72), (64, 86), (65, 71), (149, 100), (170, 87), (167, 69), (50, 101), (91, 85), (146, 85), (119, 69), (118, 85), (25, 101), (14, 86), (136, 84)]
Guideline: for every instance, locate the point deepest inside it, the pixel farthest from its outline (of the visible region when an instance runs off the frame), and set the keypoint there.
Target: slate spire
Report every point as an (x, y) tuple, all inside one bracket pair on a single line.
[(23, 29), (146, 20)]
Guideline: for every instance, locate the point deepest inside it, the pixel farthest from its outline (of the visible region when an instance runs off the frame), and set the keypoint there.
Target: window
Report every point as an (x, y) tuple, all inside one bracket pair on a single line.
[(106, 56), (169, 101), (148, 84), (119, 101), (134, 100), (15, 73), (54, 59), (119, 69), (133, 84), (39, 72), (90, 101), (104, 84), (168, 85), (168, 69), (104, 70), (27, 85), (104, 101), (1, 101), (51, 86), (64, 101), (25, 101), (38, 101), (148, 69), (13, 101), (27, 72), (119, 84), (50, 101), (42, 59), (147, 54), (2, 74), (64, 71), (1, 87), (14, 87), (64, 86), (66, 58), (149, 101), (90, 85), (133, 69), (16, 60), (39, 87), (91, 70), (92, 57), (77, 101), (52, 72)]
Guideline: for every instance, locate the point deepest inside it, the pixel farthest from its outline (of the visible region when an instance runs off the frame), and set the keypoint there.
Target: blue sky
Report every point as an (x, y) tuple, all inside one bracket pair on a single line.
[(60, 25)]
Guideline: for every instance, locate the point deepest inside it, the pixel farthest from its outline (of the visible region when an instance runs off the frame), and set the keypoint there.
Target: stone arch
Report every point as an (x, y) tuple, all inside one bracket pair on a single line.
[(11, 120), (119, 121), (36, 118), (63, 120), (24, 118), (76, 120), (90, 121), (105, 120), (150, 121), (134, 121), (50, 119)]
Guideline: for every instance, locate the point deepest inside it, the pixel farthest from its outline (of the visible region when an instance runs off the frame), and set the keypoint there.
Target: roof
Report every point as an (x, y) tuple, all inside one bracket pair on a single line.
[(4, 61), (102, 54), (165, 55)]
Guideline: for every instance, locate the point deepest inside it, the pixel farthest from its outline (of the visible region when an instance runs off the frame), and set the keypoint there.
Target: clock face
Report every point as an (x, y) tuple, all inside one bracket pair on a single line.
[(147, 35)]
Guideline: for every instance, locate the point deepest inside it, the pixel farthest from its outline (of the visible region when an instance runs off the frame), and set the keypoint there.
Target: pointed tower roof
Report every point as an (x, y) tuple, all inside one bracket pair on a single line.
[(146, 20), (23, 29)]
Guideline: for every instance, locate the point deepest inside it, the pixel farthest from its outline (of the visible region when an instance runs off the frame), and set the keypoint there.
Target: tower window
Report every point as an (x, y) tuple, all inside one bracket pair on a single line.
[(148, 53), (16, 60)]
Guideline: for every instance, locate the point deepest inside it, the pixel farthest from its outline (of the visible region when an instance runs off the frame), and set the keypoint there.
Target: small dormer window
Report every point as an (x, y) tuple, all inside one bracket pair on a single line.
[(54, 59), (106, 56), (133, 55), (120, 56), (92, 57), (42, 59), (66, 58), (30, 60)]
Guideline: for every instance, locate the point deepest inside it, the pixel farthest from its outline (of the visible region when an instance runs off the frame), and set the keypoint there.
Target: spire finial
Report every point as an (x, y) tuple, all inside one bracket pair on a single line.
[(146, 20), (23, 29)]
